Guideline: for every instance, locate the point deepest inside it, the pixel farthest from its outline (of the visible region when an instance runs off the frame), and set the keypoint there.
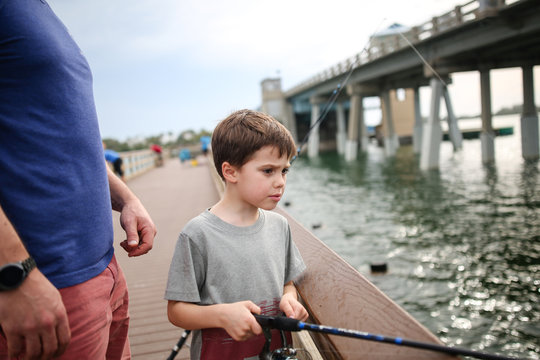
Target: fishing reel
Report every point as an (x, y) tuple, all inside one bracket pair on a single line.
[(284, 353)]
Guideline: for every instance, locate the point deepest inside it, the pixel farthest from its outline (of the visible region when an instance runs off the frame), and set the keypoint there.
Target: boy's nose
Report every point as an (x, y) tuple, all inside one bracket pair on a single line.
[(280, 181)]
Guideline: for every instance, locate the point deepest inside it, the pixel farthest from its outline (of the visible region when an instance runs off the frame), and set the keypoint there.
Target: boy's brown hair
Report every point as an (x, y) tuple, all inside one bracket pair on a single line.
[(236, 138)]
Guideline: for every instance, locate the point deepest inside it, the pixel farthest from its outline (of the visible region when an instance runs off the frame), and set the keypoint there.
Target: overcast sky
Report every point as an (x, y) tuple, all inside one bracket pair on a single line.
[(173, 65)]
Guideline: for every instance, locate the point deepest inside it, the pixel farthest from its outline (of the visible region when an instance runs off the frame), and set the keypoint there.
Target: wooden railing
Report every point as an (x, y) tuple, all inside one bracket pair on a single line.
[(377, 48)]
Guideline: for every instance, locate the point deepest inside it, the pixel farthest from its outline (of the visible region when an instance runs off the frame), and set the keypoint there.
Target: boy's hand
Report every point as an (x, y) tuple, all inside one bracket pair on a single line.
[(239, 322), (292, 307)]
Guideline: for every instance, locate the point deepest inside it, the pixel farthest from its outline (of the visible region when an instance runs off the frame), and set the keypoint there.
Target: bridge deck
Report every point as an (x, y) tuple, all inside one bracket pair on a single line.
[(172, 194)]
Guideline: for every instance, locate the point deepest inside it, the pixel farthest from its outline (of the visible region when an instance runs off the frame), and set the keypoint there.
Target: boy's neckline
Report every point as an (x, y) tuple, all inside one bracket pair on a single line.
[(232, 218)]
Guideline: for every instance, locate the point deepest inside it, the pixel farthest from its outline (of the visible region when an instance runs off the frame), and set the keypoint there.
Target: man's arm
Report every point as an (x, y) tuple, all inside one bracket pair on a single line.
[(236, 318), (33, 317), (134, 218)]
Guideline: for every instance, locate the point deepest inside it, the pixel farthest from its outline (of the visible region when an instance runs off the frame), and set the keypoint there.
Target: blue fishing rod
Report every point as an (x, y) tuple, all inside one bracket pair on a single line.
[(288, 324)]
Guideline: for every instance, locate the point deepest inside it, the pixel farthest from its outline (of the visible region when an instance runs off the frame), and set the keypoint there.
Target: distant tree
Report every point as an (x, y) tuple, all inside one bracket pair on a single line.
[(187, 137), (116, 145)]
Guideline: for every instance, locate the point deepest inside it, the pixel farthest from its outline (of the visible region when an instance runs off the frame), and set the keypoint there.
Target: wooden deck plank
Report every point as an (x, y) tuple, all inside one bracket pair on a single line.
[(172, 194)]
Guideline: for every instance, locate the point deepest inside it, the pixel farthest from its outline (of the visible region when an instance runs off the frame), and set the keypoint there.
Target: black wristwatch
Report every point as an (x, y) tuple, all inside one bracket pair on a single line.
[(12, 275)]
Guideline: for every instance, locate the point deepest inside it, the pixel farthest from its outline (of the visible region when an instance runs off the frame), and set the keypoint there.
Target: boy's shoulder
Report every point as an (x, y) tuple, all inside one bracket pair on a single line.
[(197, 222), (274, 217)]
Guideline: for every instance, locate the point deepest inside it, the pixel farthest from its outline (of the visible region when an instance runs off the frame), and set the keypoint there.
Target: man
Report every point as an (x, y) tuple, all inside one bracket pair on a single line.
[(61, 290)]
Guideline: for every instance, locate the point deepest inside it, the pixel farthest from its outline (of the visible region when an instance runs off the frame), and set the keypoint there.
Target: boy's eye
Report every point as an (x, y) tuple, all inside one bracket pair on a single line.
[(285, 171), (268, 171)]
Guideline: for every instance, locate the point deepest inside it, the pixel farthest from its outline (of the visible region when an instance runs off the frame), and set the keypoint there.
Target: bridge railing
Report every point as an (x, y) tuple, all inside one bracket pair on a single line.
[(379, 47), (137, 162)]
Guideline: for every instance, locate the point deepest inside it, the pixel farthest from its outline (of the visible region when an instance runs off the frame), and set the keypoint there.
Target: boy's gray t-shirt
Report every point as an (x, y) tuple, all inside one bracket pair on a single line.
[(215, 262)]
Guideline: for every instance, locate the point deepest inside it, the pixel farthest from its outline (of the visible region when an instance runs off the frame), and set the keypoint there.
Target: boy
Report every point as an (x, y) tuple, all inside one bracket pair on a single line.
[(237, 258)]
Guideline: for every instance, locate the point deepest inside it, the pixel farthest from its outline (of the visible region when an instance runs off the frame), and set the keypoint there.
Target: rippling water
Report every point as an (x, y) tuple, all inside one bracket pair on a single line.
[(462, 243)]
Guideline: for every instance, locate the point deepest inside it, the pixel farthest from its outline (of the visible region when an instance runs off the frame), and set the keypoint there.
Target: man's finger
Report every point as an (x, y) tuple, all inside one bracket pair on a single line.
[(33, 347), (131, 233), (15, 345), (63, 334)]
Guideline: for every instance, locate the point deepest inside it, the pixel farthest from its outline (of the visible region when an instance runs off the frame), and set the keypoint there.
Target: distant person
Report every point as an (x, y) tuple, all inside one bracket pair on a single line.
[(237, 258), (184, 155), (114, 158), (205, 143), (62, 292), (159, 154)]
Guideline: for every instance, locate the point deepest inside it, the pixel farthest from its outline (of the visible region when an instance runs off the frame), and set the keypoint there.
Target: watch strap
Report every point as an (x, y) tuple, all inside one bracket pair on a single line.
[(28, 264)]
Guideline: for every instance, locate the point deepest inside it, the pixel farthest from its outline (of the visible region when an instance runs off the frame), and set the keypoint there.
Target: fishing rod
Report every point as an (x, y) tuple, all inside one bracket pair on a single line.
[(179, 344), (288, 324)]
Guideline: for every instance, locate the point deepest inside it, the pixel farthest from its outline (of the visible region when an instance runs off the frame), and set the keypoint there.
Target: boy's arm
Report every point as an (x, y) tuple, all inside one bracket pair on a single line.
[(290, 305), (236, 318)]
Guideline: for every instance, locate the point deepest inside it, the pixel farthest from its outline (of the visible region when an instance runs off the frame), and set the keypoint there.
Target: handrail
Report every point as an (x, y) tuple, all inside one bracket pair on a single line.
[(137, 162), (452, 19)]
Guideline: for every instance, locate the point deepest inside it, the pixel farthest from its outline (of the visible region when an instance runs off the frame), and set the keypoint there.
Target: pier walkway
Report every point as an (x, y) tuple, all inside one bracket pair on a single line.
[(172, 194)]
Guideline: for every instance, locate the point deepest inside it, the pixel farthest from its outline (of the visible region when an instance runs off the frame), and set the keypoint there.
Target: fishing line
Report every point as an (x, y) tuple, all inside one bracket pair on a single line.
[(339, 88), (422, 58), (335, 94)]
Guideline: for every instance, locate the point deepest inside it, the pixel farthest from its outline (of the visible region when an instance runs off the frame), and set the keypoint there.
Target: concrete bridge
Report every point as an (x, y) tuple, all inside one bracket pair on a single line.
[(479, 35)]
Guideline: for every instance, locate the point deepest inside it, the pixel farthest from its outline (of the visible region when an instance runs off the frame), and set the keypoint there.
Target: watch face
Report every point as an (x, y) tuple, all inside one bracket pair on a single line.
[(11, 276)]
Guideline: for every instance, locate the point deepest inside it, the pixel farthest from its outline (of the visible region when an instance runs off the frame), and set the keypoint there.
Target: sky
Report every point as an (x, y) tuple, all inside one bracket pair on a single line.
[(173, 65)]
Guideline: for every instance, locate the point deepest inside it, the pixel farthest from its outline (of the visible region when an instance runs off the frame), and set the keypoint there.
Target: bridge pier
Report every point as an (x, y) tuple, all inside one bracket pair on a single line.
[(290, 119), (341, 136), (487, 135), (453, 130), (529, 118), (418, 122), (313, 140), (432, 132), (357, 128), (391, 141)]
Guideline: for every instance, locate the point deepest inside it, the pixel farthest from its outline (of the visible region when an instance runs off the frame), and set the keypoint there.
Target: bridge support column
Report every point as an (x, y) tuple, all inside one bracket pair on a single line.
[(418, 122), (291, 119), (313, 140), (357, 127), (432, 132), (341, 135), (529, 118), (487, 136), (453, 130), (391, 141)]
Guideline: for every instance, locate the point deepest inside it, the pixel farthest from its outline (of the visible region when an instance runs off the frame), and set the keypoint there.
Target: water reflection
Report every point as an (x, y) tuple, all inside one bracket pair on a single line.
[(462, 242)]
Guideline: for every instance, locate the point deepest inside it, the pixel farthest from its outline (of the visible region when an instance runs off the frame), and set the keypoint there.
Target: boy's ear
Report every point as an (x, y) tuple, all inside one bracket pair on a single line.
[(229, 172)]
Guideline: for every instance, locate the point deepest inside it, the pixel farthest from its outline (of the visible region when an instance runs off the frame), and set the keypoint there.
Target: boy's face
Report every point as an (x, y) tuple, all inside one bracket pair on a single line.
[(261, 180)]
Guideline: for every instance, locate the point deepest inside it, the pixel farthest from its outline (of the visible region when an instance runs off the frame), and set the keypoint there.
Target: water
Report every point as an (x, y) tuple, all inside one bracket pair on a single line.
[(462, 243)]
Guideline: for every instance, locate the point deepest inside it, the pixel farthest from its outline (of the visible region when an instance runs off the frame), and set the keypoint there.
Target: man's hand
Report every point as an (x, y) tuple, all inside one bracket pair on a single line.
[(139, 227), (34, 320)]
